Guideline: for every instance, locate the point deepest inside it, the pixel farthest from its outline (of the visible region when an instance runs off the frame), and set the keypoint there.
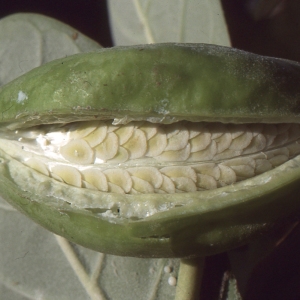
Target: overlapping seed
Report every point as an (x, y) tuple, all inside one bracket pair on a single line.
[(141, 157)]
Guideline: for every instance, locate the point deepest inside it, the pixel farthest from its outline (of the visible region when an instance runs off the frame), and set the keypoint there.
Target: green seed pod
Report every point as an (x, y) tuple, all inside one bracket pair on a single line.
[(167, 150)]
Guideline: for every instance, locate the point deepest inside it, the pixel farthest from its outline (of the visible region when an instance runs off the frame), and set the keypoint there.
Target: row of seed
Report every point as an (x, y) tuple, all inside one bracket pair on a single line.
[(183, 141), (169, 179)]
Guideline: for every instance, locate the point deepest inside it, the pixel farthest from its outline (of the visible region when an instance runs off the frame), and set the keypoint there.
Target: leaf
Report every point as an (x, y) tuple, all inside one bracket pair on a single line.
[(34, 263), (36, 40), (156, 21)]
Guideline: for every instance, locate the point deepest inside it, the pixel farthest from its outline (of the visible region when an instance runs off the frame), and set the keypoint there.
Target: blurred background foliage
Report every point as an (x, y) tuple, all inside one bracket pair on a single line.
[(268, 27)]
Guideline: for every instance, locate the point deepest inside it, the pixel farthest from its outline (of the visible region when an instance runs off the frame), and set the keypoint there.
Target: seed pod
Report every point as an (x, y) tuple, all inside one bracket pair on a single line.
[(172, 132)]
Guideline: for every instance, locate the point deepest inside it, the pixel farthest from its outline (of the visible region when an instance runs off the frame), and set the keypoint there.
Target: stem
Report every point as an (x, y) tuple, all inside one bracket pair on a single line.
[(189, 279)]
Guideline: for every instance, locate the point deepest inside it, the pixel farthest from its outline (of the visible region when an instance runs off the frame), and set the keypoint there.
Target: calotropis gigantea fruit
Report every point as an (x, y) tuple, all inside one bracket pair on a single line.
[(167, 150)]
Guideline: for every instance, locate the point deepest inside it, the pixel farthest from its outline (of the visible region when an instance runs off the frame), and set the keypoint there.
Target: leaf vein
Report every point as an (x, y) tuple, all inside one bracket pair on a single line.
[(144, 21)]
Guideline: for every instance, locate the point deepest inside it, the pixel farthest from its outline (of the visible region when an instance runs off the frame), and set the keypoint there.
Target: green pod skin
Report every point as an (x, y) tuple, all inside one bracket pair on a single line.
[(161, 83)]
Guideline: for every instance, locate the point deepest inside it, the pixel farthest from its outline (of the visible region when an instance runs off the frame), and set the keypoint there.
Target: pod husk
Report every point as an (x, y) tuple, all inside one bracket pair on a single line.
[(161, 83)]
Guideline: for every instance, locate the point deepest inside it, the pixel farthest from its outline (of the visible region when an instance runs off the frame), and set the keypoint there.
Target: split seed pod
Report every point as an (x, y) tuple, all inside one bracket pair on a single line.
[(167, 150)]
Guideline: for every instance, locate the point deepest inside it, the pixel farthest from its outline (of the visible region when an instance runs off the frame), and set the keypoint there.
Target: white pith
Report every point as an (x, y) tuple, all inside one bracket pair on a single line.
[(142, 157)]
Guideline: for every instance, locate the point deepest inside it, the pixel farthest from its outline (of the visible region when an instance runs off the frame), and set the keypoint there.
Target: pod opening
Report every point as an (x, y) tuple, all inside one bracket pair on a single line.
[(142, 157)]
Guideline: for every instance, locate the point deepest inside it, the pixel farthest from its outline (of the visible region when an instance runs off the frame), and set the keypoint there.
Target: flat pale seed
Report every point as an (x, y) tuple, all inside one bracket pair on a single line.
[(108, 148), (157, 144), (97, 136), (242, 141), (256, 128), (37, 165), (227, 175), (114, 188), (238, 161), (134, 192), (293, 148), (55, 139), (179, 140), (179, 155), (121, 156), (227, 154), (216, 135), (136, 145), (262, 165), (78, 152), (216, 129), (257, 144), (223, 142), (236, 130), (119, 177), (206, 154), (141, 186), (210, 169), (200, 141), (185, 184), (270, 132), (244, 171), (179, 171), (193, 134), (275, 152), (70, 175), (149, 174), (124, 133), (206, 182), (82, 129), (96, 178), (278, 160), (56, 177), (112, 128), (87, 185), (149, 129), (195, 129), (280, 139), (172, 129), (167, 185)]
